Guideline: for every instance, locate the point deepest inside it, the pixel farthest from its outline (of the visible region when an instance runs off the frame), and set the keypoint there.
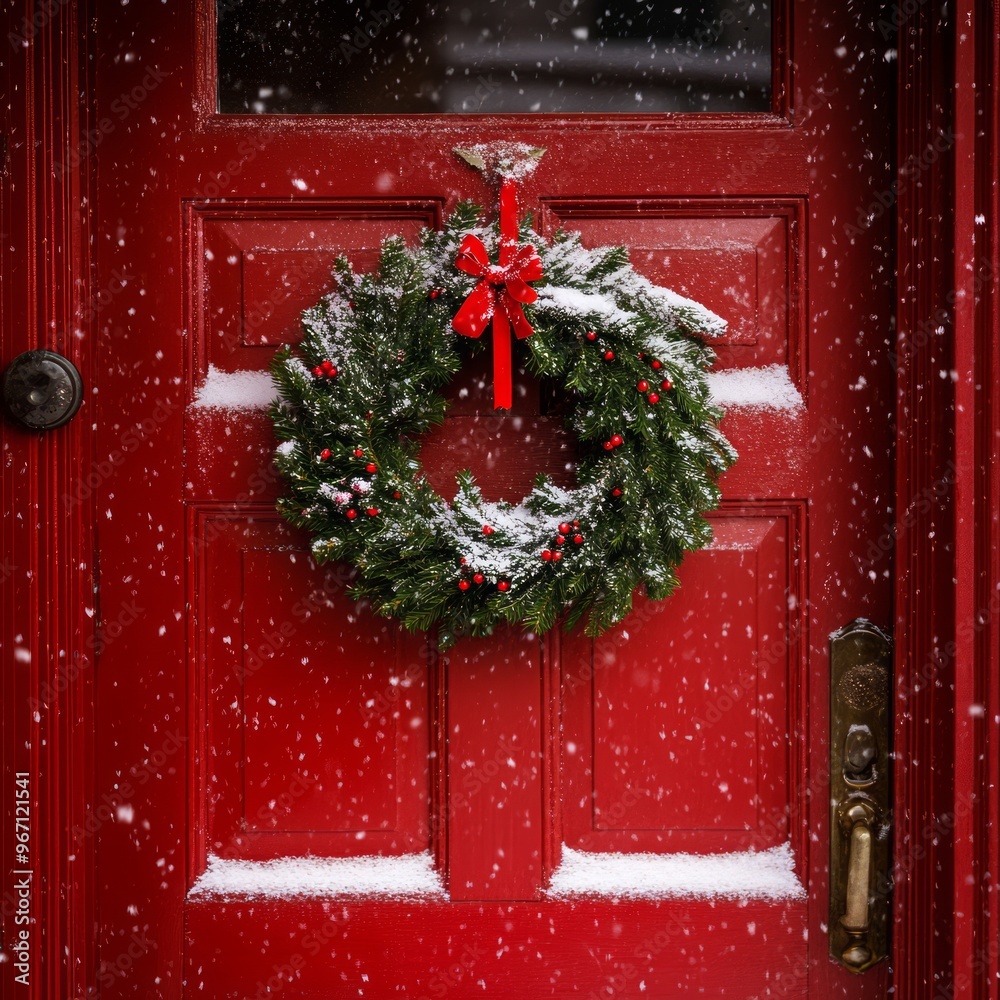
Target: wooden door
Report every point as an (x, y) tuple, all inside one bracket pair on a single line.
[(297, 799)]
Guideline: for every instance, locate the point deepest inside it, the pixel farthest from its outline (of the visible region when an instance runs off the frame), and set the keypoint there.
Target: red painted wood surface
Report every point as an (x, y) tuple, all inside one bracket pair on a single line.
[(162, 727), (493, 949), (973, 810), (494, 802), (48, 536)]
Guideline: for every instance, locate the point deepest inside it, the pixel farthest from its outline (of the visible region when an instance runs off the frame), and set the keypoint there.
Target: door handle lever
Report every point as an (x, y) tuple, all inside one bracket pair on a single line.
[(860, 662), (858, 821)]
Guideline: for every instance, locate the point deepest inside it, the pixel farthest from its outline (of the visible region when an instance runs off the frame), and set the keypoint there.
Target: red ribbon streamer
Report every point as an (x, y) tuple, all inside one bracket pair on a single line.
[(498, 296)]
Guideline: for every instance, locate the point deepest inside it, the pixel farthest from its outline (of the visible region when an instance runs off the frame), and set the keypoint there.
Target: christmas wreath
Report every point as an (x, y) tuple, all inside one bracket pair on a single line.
[(366, 382)]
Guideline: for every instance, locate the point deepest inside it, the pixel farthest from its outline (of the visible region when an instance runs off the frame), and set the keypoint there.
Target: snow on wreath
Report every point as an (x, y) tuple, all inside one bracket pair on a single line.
[(629, 360)]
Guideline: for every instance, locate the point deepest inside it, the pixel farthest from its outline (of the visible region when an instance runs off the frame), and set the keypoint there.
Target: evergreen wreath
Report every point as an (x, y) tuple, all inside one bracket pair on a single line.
[(365, 384)]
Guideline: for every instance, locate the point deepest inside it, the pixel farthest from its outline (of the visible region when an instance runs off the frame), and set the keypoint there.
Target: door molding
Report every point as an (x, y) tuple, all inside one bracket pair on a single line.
[(947, 570), (946, 767), (48, 606)]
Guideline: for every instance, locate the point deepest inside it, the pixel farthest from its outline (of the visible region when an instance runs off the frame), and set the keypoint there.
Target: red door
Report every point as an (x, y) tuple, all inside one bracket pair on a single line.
[(297, 799)]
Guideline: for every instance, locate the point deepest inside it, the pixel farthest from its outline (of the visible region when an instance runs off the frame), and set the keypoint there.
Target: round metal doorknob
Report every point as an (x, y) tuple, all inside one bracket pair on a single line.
[(42, 389)]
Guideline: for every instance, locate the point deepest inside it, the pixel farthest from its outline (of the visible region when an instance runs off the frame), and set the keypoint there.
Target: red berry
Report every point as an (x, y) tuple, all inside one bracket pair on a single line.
[(435, 293), (478, 577), (350, 514), (333, 373), (666, 385), (396, 495), (617, 440), (560, 539), (609, 355), (464, 584), (656, 365), (556, 556), (641, 355), (351, 304), (616, 492), (318, 372), (503, 586), (642, 385), (462, 561), (371, 467), (326, 454), (358, 453), (327, 366), (487, 530), (608, 446), (564, 528), (591, 336), (653, 398), (578, 539), (546, 555), (372, 512), (576, 524)]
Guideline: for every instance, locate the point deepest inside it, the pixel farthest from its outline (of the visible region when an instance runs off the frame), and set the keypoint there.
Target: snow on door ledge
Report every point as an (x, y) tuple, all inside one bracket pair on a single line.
[(768, 875), (767, 388), (409, 876)]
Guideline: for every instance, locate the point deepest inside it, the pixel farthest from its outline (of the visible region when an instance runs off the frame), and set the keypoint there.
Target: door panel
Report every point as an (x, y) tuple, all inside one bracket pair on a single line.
[(675, 722), (309, 727), (313, 732), (742, 259)]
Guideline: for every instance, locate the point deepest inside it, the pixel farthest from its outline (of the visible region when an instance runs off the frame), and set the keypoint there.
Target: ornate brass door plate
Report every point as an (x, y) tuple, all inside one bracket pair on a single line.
[(860, 820)]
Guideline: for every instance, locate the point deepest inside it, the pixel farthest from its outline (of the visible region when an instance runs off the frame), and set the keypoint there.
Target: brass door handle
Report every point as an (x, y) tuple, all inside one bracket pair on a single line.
[(860, 820)]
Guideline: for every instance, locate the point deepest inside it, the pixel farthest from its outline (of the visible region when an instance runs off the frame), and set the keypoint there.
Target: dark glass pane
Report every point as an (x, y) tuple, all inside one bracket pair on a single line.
[(504, 56)]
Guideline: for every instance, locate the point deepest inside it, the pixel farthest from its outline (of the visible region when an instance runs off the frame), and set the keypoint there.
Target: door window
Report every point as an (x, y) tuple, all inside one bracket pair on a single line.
[(506, 56)]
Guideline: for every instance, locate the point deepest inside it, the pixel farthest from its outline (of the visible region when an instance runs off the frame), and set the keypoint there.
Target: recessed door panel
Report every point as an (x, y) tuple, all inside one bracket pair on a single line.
[(741, 259), (676, 720), (256, 267), (315, 713)]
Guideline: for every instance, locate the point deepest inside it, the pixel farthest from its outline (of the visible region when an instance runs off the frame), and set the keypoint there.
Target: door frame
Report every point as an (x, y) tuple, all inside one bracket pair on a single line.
[(947, 482)]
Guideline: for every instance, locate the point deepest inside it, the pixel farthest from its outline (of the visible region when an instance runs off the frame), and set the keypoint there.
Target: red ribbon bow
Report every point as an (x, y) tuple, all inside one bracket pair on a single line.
[(498, 296)]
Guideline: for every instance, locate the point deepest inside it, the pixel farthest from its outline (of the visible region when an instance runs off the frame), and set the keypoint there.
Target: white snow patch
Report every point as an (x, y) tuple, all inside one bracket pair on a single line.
[(239, 390), (406, 876), (740, 875), (768, 388), (577, 303)]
